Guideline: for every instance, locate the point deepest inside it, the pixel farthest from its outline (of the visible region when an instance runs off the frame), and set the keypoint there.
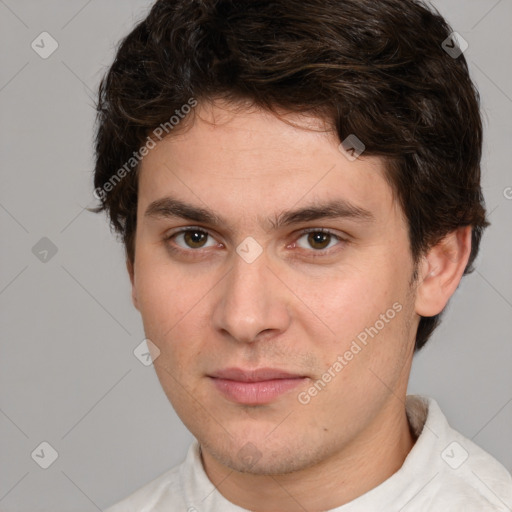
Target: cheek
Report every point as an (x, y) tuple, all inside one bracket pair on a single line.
[(363, 311), (173, 321), (365, 362), (163, 292), (172, 312), (347, 301)]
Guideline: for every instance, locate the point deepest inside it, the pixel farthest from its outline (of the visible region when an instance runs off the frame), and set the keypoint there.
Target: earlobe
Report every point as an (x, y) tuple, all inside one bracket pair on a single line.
[(131, 273), (441, 270)]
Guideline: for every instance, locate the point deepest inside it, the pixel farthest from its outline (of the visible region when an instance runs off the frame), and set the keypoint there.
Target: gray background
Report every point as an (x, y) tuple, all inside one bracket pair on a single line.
[(68, 375)]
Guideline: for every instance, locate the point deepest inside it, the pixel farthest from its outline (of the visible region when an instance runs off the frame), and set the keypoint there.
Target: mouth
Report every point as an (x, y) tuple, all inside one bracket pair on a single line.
[(255, 387)]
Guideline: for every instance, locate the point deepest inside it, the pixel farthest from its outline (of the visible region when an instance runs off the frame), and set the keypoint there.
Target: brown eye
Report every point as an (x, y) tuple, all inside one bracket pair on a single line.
[(195, 239), (318, 239), (191, 238)]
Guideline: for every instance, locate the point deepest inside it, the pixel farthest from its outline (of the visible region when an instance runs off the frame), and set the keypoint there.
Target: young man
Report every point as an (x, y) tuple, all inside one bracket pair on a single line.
[(297, 185)]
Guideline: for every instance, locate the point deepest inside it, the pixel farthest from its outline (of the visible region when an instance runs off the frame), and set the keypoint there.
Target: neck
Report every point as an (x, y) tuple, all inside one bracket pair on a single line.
[(370, 459)]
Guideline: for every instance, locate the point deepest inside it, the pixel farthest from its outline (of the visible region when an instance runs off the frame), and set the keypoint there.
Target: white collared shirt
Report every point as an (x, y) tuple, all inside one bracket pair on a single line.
[(444, 472)]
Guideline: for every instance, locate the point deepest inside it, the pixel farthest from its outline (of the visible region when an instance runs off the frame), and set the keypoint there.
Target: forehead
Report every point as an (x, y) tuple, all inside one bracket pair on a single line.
[(248, 158)]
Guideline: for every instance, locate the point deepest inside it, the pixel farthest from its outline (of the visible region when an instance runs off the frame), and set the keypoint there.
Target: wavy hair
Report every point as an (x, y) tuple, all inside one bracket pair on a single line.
[(376, 69)]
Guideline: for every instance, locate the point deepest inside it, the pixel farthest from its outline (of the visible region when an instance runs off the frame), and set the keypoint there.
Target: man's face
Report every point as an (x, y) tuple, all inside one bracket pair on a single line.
[(279, 345)]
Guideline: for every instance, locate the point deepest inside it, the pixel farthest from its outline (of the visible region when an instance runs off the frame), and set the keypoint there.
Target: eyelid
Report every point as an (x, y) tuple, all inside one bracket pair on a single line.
[(321, 252), (179, 231), (319, 230), (184, 229)]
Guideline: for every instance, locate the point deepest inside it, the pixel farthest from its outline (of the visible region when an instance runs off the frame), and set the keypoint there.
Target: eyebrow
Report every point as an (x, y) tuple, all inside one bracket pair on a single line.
[(170, 207)]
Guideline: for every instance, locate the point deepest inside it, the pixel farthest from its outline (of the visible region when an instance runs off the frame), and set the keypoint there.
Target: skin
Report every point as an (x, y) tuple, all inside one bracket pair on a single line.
[(297, 307)]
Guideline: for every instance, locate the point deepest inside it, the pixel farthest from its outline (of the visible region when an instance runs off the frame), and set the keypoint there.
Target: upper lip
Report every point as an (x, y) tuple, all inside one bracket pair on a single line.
[(256, 375)]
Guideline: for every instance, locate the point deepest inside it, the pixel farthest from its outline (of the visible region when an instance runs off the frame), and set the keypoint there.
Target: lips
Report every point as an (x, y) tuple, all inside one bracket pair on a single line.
[(255, 387), (257, 375)]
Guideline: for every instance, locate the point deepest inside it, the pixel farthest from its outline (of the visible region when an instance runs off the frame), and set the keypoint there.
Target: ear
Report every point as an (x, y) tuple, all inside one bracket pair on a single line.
[(441, 270), (131, 273)]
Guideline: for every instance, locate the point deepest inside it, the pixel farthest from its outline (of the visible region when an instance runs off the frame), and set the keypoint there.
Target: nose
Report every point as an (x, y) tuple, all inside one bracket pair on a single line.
[(253, 303)]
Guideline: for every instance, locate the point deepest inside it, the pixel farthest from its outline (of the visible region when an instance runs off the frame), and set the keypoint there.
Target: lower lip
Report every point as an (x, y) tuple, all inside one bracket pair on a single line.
[(255, 393)]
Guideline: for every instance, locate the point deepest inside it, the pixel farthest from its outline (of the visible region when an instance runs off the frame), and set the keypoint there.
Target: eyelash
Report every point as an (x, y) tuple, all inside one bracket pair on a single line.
[(314, 253)]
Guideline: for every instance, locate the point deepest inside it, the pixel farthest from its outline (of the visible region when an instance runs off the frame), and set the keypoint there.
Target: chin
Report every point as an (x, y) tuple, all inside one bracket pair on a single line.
[(262, 458)]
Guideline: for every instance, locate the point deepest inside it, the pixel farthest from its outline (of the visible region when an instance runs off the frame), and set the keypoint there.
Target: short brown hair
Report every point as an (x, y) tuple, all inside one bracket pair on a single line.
[(375, 69)]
